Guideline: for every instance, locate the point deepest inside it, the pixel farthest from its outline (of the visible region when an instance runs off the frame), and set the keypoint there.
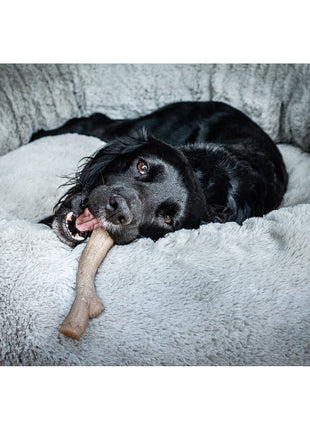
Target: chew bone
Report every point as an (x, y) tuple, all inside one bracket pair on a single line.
[(87, 304)]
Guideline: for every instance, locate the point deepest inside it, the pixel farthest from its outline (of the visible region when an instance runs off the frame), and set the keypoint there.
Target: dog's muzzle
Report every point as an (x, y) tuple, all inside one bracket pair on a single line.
[(117, 210), (118, 205)]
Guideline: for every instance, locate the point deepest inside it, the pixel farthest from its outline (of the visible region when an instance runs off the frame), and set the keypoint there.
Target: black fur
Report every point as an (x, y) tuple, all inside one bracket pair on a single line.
[(207, 162)]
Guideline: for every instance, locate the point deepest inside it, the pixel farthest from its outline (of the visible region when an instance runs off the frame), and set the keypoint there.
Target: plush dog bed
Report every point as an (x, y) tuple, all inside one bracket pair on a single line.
[(221, 295)]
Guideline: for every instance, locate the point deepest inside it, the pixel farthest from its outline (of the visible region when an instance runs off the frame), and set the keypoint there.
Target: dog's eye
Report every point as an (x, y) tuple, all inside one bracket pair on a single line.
[(142, 167), (167, 219)]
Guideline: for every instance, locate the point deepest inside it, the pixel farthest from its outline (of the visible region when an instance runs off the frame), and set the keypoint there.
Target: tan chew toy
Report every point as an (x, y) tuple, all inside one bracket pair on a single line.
[(87, 304)]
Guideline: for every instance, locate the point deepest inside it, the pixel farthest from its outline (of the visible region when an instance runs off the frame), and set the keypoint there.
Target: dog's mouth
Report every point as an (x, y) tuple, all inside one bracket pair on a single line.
[(70, 229), (82, 213), (73, 228)]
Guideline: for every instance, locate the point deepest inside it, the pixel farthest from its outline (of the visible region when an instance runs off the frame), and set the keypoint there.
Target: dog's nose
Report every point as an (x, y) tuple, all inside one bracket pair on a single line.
[(118, 210)]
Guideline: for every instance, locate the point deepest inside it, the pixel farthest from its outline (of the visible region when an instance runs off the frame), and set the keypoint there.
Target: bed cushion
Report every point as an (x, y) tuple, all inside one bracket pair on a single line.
[(221, 295)]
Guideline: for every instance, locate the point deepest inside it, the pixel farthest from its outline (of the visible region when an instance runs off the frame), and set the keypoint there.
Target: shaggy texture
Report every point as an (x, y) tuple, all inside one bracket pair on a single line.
[(220, 295), (276, 96)]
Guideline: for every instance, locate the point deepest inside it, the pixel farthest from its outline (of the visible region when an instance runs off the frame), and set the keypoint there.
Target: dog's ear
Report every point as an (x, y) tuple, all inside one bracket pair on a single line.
[(91, 170)]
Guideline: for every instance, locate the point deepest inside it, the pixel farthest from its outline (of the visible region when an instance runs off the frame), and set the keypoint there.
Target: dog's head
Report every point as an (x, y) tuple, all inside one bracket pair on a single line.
[(135, 187)]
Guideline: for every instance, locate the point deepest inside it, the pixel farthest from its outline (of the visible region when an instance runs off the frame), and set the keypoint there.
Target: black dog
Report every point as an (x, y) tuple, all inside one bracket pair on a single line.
[(183, 165)]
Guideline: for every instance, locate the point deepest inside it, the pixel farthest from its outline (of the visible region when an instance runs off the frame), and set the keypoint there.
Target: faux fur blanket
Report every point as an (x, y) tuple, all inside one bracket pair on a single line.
[(276, 96), (220, 295)]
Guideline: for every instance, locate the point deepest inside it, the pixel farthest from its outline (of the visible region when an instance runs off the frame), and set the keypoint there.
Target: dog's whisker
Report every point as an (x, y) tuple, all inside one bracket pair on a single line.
[(111, 216)]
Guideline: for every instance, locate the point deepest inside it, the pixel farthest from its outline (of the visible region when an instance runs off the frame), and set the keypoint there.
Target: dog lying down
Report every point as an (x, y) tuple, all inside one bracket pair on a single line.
[(184, 165)]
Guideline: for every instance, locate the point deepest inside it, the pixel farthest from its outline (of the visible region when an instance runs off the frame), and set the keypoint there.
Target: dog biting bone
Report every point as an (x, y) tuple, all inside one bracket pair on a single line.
[(87, 304)]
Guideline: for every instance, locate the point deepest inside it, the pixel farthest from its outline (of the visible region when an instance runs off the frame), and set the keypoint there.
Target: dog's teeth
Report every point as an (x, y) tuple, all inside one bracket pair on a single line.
[(69, 216), (78, 237)]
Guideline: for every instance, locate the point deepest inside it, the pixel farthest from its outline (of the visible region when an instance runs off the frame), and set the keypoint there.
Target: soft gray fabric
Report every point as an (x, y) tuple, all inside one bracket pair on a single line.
[(220, 295), (32, 97), (276, 96)]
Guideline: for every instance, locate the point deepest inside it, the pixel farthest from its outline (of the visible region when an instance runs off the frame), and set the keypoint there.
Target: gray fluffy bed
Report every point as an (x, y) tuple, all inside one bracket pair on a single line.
[(221, 295)]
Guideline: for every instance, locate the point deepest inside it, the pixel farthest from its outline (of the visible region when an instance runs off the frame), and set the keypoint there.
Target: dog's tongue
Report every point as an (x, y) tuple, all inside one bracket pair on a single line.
[(87, 222)]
